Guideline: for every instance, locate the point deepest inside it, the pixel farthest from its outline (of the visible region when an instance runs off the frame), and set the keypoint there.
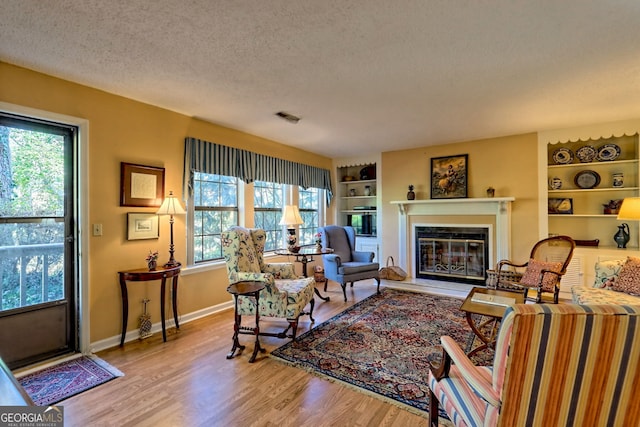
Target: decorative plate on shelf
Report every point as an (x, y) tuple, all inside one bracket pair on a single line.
[(586, 154), (563, 156), (608, 152), (587, 179)]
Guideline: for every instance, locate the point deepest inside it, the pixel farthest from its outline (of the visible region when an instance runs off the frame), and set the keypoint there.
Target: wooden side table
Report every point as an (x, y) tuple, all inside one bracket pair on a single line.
[(249, 289), (490, 304), (144, 275)]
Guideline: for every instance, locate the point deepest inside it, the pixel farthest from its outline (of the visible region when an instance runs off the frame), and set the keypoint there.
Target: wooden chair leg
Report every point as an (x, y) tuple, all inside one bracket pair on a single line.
[(344, 291), (294, 328), (312, 303), (433, 410)]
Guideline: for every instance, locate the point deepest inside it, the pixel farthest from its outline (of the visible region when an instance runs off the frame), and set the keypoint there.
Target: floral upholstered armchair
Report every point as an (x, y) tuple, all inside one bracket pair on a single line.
[(285, 294)]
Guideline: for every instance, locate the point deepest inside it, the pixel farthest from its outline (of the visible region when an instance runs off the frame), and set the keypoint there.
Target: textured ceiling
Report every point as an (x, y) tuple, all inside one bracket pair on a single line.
[(364, 75)]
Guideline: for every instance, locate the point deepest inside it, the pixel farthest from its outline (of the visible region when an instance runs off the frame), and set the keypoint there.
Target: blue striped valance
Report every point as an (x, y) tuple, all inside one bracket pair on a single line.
[(207, 157)]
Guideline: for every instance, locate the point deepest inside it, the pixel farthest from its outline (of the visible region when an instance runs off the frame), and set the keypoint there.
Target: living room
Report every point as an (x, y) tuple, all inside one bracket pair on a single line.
[(119, 129)]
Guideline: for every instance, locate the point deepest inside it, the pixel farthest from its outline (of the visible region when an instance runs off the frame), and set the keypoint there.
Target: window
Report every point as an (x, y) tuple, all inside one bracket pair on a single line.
[(217, 205), (215, 209), (268, 201), (309, 205)]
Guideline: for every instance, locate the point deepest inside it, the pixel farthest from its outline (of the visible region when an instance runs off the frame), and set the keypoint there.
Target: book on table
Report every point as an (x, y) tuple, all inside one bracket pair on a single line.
[(493, 299)]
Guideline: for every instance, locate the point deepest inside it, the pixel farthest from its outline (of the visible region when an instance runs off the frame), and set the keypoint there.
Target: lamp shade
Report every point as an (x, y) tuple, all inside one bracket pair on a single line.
[(291, 216), (171, 206), (630, 208)]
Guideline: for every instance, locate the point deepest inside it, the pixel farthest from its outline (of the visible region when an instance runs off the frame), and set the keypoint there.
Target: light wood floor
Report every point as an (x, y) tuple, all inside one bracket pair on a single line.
[(188, 381)]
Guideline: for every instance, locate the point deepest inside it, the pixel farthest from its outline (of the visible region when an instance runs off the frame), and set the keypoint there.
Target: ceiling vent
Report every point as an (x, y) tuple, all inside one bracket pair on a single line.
[(288, 117)]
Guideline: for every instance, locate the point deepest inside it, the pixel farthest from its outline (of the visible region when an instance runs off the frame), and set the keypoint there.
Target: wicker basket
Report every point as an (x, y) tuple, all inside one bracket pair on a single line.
[(506, 277)]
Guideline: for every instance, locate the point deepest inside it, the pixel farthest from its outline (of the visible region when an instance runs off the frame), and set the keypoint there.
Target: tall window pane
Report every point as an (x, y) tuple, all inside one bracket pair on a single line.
[(268, 203), (309, 205), (215, 203)]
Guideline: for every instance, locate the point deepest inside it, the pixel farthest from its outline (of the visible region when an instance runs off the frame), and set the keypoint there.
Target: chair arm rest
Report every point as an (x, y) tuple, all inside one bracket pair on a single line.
[(333, 259), (476, 378), (242, 276), (281, 270), (360, 256), (504, 262)]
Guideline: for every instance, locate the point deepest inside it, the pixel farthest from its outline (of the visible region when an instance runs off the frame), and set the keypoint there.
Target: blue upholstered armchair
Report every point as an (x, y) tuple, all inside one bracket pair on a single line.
[(345, 264)]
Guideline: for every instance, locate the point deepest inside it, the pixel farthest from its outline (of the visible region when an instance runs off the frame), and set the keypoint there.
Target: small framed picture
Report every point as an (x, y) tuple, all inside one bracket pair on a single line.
[(141, 186), (449, 177), (142, 226), (560, 206)]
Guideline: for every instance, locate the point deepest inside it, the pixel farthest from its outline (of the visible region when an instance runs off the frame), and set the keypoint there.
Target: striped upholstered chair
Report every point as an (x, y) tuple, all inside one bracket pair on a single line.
[(564, 364)]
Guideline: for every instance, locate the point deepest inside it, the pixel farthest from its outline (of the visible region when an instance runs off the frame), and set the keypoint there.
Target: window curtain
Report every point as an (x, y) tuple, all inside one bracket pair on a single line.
[(207, 157)]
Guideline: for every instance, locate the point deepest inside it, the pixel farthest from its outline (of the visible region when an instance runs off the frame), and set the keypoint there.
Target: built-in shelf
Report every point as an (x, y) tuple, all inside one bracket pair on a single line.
[(358, 200), (592, 190), (591, 165), (358, 197), (359, 181)]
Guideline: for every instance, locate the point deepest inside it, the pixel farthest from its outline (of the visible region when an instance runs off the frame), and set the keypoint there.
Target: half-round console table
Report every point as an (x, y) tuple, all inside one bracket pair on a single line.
[(144, 275)]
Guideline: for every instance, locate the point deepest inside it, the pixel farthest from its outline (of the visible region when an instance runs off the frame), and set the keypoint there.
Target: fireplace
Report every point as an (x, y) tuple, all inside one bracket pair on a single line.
[(452, 253)]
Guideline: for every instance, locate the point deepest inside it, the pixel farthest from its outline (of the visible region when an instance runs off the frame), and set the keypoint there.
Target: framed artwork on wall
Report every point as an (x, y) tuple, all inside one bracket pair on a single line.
[(449, 177), (142, 226), (141, 186)]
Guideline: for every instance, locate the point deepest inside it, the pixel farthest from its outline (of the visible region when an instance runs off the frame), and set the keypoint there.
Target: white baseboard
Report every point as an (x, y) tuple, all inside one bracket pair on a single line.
[(157, 327)]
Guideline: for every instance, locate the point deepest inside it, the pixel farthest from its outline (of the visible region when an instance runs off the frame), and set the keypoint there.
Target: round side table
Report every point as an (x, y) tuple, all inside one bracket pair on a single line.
[(248, 289)]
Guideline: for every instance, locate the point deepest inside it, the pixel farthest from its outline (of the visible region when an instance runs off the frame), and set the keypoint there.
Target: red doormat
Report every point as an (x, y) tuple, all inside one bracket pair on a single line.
[(56, 383)]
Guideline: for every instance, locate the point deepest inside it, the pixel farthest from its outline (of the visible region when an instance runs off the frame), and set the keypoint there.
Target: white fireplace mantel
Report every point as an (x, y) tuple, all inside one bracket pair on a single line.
[(499, 207)]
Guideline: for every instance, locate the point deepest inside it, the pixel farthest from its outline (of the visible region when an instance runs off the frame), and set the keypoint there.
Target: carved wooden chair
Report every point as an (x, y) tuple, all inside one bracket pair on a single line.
[(564, 364), (285, 294), (547, 264)]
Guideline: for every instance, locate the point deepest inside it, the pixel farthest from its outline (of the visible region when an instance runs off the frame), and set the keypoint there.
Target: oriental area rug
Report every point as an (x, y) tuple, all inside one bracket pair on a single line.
[(382, 345), (56, 383)]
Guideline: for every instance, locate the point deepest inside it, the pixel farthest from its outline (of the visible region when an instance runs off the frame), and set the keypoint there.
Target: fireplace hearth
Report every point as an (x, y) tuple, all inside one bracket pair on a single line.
[(452, 253)]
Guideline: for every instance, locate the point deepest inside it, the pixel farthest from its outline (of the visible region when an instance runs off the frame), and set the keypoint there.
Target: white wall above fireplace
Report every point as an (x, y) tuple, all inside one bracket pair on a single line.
[(498, 207)]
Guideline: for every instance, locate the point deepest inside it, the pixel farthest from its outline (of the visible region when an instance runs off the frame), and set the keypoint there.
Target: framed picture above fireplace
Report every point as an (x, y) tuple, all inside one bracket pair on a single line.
[(449, 177)]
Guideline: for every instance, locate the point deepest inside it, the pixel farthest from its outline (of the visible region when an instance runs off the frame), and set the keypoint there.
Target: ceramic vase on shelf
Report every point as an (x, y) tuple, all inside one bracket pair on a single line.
[(367, 190), (555, 183), (152, 264), (411, 195), (618, 179), (622, 236)]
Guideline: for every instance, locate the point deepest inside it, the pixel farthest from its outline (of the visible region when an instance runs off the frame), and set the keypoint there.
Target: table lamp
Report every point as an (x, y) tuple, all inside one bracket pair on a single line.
[(630, 208), (171, 206), (291, 217)]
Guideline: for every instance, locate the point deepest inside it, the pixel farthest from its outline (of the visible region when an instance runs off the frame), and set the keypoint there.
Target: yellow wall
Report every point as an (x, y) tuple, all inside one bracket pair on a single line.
[(123, 130), (508, 164)]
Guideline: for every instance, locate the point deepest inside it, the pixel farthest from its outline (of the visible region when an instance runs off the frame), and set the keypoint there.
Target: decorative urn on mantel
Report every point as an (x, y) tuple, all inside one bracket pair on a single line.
[(411, 195)]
